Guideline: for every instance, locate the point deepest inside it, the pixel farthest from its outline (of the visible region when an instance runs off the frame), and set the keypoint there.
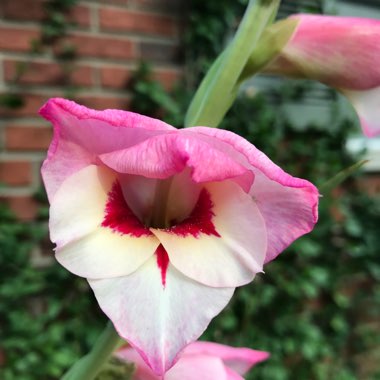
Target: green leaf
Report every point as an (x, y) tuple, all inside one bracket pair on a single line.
[(340, 177)]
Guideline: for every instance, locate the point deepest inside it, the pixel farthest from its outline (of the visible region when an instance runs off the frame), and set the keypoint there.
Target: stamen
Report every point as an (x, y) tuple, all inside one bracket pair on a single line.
[(160, 217)]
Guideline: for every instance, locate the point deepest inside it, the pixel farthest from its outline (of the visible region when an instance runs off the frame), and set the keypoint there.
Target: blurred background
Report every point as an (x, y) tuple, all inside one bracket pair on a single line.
[(317, 307)]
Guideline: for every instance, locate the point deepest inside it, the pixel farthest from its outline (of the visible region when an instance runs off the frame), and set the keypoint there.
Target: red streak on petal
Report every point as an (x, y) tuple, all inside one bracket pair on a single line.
[(119, 217), (162, 262), (200, 219)]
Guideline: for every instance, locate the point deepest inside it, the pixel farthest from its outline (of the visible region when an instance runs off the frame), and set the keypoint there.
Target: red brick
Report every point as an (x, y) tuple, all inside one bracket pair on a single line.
[(112, 19), (153, 51), (370, 184), (16, 10), (32, 103), (102, 47), (172, 6), (15, 173), (168, 78), (16, 39), (115, 77), (104, 102), (27, 10), (119, 77), (24, 207), (80, 15), (27, 138), (115, 2), (46, 73)]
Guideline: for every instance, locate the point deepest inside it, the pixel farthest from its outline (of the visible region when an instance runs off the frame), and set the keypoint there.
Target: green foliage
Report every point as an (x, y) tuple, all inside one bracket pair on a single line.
[(149, 97), (211, 25), (54, 28), (42, 311), (11, 101), (55, 25)]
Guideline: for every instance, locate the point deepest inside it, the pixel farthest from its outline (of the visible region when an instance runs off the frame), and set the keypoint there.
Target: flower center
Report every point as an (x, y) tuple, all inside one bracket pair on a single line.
[(200, 219), (120, 218)]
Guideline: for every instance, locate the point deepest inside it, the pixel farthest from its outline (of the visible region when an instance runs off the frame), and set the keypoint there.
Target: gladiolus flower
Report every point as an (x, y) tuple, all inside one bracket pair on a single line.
[(164, 223), (342, 52), (200, 360)]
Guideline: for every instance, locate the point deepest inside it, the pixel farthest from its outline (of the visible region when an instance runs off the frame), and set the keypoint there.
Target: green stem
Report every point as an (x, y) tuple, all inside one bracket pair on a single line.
[(271, 43), (89, 366), (219, 88)]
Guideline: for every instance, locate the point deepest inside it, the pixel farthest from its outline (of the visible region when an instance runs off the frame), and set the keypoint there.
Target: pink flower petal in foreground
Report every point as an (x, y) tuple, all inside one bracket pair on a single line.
[(165, 223), (342, 52), (200, 360)]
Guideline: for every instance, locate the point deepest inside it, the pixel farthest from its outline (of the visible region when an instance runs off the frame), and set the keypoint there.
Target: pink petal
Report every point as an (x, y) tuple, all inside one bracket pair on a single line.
[(81, 133), (166, 155), (186, 368), (200, 360), (142, 370), (63, 160), (197, 368), (232, 375), (84, 247), (159, 321), (288, 205), (236, 358), (227, 253), (342, 52), (288, 212)]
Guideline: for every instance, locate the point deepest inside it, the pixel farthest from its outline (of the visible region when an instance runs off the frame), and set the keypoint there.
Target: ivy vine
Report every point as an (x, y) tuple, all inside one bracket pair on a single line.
[(54, 27)]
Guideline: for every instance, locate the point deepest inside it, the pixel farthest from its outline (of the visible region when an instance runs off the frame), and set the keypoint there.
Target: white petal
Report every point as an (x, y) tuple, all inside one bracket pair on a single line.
[(78, 206), (367, 106), (104, 254), (234, 257), (159, 321)]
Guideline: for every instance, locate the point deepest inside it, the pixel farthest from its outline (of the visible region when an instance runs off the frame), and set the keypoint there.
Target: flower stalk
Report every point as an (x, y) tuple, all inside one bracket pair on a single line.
[(219, 88), (88, 367)]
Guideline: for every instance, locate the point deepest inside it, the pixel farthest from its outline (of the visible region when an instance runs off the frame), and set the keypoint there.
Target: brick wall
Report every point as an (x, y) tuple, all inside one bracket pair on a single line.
[(110, 38)]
